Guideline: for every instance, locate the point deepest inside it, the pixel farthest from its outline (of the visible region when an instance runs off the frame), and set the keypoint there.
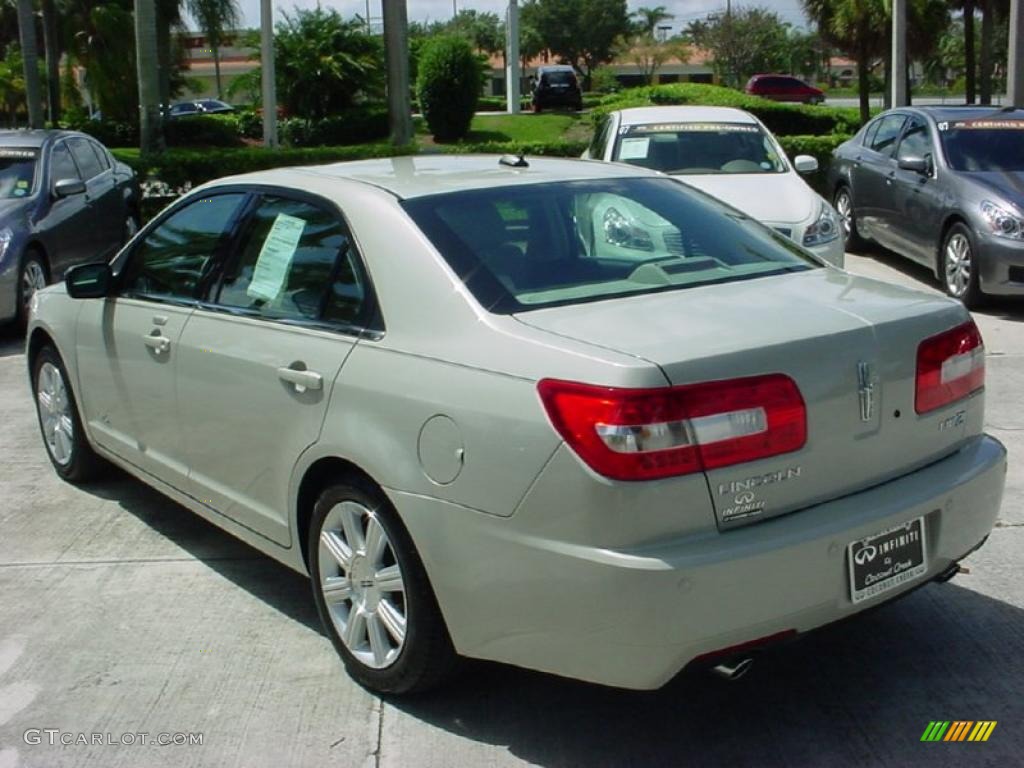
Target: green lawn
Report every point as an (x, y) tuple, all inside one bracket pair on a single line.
[(525, 127)]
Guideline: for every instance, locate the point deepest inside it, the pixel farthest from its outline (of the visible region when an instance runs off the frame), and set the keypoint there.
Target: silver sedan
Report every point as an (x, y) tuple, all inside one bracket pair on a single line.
[(566, 415)]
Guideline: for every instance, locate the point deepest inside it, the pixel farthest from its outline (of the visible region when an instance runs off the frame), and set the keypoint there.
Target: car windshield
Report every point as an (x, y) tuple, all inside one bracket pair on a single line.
[(699, 148), (981, 145), (17, 172), (531, 246)]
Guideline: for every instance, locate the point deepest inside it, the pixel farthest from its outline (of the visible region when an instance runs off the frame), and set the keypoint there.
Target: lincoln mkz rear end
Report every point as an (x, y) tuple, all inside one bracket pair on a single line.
[(748, 444)]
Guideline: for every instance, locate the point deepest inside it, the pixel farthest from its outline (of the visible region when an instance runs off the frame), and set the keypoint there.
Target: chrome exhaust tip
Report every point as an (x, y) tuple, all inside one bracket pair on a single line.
[(733, 669), (949, 573)]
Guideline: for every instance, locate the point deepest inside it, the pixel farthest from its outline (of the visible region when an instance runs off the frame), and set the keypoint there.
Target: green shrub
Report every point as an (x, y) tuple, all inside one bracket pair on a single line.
[(250, 124), (535, 148), (820, 147), (203, 131), (354, 126), (107, 132), (448, 85), (781, 119), (180, 169)]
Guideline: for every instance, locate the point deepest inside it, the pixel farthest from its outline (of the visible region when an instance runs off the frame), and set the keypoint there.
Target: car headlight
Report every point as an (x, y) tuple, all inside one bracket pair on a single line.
[(619, 231), (1003, 222), (6, 235), (825, 229)]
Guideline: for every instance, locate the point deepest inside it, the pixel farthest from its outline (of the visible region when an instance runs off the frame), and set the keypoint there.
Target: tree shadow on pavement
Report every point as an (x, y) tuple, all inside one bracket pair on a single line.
[(12, 340), (264, 578), (857, 694)]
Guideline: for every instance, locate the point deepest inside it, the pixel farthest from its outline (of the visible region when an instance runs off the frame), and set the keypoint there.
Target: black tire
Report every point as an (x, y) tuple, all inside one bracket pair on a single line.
[(426, 656), (33, 263), (958, 266), (847, 219), (82, 465)]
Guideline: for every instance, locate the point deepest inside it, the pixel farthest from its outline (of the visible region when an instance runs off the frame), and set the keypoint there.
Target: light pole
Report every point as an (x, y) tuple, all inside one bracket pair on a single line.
[(512, 59), (899, 53), (1015, 65), (267, 70), (396, 49)]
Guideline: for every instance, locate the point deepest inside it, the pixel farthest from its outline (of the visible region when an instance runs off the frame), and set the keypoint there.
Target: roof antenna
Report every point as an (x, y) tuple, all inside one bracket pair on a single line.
[(514, 161)]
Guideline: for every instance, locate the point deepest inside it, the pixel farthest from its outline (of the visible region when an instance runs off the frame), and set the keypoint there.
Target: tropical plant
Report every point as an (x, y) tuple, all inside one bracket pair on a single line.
[(448, 85), (584, 33), (649, 54), (743, 43), (649, 19), (150, 115), (30, 63), (215, 18)]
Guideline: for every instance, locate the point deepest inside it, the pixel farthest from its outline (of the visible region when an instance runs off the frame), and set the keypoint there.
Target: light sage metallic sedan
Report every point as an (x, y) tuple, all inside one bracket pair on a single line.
[(491, 414)]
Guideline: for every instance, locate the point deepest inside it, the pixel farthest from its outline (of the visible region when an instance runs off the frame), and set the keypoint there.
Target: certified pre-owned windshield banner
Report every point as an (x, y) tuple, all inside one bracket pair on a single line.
[(982, 125), (692, 128)]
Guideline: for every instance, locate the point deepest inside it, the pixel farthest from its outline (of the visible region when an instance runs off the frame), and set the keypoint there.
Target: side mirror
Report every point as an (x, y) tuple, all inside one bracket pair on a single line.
[(805, 164), (89, 281), (915, 164), (68, 187)]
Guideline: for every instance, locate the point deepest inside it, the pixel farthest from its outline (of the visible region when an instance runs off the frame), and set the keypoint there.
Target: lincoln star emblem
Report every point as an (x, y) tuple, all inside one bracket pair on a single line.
[(866, 389)]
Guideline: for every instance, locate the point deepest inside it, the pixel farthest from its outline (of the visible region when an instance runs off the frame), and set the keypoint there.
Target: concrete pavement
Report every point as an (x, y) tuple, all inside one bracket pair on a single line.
[(122, 613)]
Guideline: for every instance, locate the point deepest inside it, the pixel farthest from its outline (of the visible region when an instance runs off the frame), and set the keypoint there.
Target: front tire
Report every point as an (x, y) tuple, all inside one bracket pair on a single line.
[(843, 203), (959, 263), (372, 593), (59, 423), (32, 277)]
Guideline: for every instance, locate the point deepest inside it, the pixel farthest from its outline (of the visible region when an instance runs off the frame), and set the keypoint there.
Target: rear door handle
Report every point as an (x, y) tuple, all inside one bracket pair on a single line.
[(158, 344), (301, 379)]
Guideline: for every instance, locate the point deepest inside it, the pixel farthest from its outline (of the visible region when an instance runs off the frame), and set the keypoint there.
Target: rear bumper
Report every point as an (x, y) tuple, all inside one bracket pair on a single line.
[(634, 618)]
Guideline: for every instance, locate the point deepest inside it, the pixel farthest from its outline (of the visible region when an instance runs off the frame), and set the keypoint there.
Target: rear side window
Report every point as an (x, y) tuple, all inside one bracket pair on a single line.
[(86, 158), (171, 261), (295, 262), (885, 136)]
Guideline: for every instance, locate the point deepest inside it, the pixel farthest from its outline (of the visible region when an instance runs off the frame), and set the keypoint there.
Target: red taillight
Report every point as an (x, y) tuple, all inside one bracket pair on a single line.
[(642, 434), (950, 366)]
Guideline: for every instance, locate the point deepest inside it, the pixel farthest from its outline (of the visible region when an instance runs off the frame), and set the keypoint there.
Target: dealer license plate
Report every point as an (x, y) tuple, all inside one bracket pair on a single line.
[(885, 560)]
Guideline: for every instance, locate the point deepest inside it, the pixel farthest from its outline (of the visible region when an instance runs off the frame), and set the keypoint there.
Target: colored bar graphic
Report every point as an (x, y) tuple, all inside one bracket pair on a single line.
[(958, 730)]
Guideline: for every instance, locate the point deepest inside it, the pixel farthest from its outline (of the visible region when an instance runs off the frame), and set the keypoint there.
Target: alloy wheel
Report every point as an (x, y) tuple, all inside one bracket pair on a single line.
[(55, 413), (958, 264), (362, 584), (33, 278), (845, 211)]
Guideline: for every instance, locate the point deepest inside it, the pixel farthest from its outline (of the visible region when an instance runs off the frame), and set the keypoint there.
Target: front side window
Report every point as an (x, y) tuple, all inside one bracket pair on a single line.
[(916, 141), (295, 262), (85, 157), (531, 246), (171, 261), (983, 145), (699, 148), (885, 136), (17, 171), (61, 165)]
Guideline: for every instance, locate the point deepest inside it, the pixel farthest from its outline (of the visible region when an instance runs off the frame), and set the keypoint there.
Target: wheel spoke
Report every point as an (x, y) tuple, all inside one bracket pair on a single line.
[(337, 548), (392, 619), (351, 522), (378, 639), (389, 579), (376, 540), (355, 629), (336, 589)]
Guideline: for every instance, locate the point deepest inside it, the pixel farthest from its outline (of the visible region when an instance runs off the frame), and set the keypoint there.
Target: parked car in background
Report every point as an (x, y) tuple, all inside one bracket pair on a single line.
[(729, 154), (556, 86), (784, 88), (572, 416), (64, 200), (199, 107), (943, 186)]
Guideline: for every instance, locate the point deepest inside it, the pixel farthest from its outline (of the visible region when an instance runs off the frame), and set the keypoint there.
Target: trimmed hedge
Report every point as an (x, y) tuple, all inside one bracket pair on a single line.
[(203, 131), (535, 148), (354, 126), (181, 169), (781, 119), (448, 85)]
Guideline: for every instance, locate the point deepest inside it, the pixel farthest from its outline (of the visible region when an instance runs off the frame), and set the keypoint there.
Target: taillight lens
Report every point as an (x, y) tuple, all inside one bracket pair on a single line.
[(643, 434), (950, 366)]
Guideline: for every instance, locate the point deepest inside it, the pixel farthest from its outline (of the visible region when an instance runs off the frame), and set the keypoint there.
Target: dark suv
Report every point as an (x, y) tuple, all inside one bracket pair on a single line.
[(557, 86)]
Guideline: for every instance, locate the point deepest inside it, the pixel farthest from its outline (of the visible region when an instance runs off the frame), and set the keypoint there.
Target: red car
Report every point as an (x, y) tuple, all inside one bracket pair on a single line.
[(784, 88)]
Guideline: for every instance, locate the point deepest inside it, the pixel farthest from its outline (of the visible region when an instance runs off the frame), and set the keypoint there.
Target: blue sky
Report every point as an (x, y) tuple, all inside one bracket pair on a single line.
[(422, 10)]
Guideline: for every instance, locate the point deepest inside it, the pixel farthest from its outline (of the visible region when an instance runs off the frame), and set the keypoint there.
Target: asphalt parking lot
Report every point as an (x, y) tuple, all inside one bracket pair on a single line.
[(123, 614)]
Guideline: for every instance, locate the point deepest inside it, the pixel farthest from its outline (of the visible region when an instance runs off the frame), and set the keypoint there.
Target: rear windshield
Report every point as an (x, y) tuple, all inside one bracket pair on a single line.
[(539, 245), (983, 144), (17, 172), (558, 77), (699, 148)]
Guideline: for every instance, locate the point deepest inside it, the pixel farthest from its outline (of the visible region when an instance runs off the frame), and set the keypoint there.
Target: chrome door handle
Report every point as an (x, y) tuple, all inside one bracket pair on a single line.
[(301, 379), (158, 344)]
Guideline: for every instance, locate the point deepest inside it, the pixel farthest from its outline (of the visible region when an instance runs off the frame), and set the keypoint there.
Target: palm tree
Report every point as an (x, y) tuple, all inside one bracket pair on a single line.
[(150, 131), (648, 19), (51, 45), (30, 61), (215, 17), (970, 62)]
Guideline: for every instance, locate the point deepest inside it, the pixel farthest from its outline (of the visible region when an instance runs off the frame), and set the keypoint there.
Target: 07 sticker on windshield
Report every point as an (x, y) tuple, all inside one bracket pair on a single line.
[(276, 257)]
